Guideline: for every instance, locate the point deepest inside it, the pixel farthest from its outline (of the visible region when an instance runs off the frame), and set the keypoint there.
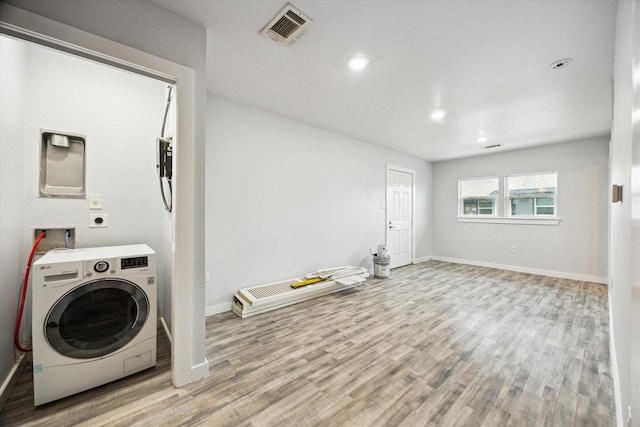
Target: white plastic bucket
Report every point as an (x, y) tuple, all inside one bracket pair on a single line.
[(381, 267)]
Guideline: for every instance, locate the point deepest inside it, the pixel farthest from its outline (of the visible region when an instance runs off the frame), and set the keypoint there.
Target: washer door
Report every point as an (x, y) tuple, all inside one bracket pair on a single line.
[(96, 318)]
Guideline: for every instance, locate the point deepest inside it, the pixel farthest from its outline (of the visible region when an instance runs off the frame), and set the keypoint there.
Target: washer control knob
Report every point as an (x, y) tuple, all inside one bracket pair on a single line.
[(101, 266)]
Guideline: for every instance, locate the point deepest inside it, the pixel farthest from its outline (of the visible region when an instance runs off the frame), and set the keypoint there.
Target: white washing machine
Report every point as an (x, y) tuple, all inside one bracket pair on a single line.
[(94, 318)]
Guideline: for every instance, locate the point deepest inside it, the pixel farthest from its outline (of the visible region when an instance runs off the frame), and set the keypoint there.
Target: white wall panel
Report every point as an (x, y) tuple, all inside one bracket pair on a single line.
[(284, 198), (120, 114), (577, 245), (12, 86), (620, 244)]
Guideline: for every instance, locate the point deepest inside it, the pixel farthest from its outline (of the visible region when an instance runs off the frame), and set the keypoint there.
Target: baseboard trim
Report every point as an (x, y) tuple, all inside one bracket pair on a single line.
[(558, 274), (615, 374), (200, 371), (11, 380), (421, 259), (218, 308), (197, 372), (166, 330)]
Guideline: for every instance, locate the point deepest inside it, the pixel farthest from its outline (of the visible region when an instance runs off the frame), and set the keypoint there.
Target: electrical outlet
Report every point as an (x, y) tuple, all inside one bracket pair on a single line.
[(514, 248), (98, 220)]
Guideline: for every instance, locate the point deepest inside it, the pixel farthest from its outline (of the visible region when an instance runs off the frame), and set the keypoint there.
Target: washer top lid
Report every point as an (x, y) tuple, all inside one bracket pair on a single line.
[(69, 255)]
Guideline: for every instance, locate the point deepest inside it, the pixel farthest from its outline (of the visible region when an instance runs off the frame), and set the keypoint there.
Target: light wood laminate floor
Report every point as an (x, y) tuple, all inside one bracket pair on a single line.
[(437, 344)]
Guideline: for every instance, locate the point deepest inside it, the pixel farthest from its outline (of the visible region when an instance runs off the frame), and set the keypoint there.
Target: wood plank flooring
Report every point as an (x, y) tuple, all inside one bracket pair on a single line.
[(437, 344)]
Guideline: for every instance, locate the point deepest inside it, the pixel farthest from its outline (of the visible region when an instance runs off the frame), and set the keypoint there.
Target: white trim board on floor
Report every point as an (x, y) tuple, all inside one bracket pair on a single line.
[(558, 274)]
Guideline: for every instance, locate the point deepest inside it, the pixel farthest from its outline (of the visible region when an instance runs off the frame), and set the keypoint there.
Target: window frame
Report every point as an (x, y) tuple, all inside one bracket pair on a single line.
[(502, 204), (508, 213), (495, 199)]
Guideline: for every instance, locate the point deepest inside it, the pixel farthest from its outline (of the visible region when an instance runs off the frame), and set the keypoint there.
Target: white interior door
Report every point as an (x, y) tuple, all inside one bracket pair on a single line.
[(399, 221)]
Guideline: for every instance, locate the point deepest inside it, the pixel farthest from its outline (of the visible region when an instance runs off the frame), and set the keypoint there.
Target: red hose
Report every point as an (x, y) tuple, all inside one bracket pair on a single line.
[(16, 341)]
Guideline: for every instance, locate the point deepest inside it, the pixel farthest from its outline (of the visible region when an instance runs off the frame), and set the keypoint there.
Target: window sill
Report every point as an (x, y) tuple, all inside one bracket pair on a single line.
[(501, 220)]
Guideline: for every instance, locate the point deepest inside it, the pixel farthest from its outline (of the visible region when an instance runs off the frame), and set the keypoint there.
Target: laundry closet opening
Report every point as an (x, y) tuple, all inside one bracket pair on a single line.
[(120, 115)]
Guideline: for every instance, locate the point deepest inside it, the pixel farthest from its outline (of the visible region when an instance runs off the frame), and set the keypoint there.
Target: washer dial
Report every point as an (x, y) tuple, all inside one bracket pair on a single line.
[(101, 266)]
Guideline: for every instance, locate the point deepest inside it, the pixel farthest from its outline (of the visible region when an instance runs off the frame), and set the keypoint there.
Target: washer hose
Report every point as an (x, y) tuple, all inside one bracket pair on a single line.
[(16, 341)]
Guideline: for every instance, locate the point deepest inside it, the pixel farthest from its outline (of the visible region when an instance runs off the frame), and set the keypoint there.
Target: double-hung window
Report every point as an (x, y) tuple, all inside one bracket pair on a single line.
[(531, 195), (478, 196)]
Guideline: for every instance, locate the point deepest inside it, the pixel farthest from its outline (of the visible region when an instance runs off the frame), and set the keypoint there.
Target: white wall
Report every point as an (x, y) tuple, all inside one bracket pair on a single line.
[(621, 260), (120, 114), (635, 218), (576, 247), (284, 198), (12, 84)]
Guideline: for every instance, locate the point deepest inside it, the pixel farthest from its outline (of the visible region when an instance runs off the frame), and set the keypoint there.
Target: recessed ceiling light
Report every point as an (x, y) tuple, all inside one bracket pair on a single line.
[(481, 139), (357, 63), (438, 115), (561, 63)]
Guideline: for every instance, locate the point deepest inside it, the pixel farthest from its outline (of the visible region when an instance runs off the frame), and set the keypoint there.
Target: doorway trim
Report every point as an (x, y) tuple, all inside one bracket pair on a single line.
[(412, 172), (188, 359)]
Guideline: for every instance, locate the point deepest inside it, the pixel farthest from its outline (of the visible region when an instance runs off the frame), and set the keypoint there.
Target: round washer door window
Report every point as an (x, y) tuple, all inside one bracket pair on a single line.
[(97, 318)]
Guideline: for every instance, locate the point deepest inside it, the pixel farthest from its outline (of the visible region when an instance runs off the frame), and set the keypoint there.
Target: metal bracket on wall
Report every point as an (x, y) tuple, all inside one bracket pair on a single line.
[(616, 193)]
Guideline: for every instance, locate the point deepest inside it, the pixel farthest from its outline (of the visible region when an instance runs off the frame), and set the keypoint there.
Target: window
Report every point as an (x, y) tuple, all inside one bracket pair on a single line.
[(518, 199), (531, 195), (478, 196)]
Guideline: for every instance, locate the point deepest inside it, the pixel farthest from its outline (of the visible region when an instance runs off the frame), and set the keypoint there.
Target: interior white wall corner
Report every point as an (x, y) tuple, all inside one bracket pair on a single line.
[(12, 87)]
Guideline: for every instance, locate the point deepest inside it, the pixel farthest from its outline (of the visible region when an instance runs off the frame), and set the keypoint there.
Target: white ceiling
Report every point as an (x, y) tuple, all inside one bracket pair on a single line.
[(484, 62)]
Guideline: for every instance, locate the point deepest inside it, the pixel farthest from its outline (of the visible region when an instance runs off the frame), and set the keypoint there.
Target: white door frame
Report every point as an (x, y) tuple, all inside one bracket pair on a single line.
[(413, 204)]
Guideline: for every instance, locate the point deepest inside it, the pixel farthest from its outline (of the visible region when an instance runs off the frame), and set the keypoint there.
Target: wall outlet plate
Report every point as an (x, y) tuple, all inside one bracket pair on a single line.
[(98, 220), (95, 201)]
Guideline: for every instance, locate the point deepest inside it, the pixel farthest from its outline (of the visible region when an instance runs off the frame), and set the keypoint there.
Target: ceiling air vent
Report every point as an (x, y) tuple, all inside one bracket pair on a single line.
[(488, 147), (286, 26)]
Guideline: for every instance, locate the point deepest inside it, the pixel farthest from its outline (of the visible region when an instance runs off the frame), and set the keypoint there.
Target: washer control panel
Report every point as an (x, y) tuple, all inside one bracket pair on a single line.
[(100, 267)]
